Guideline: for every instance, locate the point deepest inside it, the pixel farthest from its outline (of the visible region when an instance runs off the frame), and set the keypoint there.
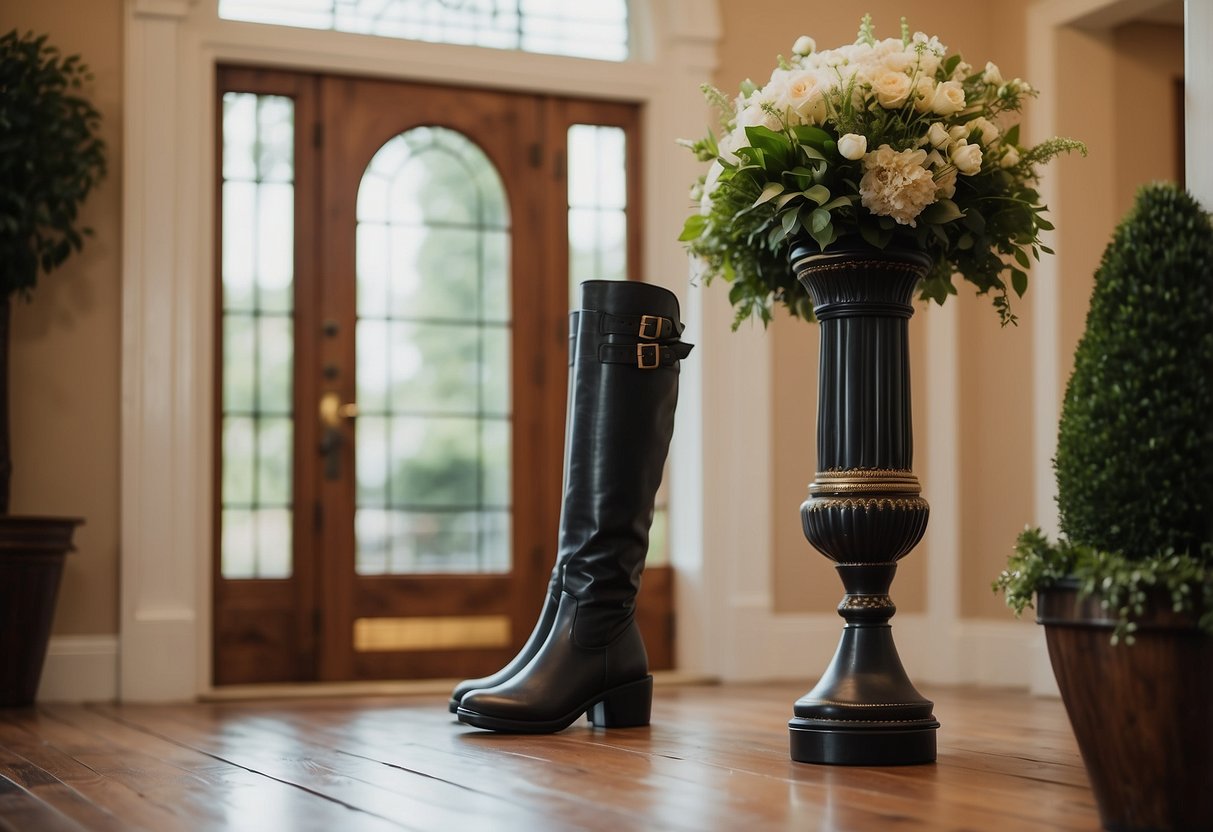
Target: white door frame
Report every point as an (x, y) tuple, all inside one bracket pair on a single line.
[(172, 49)]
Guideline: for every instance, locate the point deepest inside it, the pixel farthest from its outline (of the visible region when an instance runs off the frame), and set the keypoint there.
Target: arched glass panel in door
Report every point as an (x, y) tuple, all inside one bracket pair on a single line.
[(433, 359)]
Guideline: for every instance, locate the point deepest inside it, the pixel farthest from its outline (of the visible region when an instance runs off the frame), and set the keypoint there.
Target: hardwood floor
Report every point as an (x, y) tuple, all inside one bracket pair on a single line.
[(715, 758)]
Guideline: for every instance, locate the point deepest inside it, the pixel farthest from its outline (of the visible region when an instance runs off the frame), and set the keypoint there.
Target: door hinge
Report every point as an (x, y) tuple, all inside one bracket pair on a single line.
[(536, 155), (318, 515), (317, 134)]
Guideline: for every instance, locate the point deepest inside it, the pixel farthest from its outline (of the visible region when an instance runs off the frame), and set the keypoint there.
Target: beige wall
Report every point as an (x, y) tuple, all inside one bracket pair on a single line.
[(65, 344)]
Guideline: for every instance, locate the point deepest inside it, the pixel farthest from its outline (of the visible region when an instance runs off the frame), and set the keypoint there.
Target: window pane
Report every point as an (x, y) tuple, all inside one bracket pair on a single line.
[(588, 30), (597, 196), (257, 346), (433, 340)]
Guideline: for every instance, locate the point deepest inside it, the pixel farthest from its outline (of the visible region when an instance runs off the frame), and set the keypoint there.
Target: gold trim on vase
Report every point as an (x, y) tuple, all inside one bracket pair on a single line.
[(869, 503), (866, 602), (865, 481)]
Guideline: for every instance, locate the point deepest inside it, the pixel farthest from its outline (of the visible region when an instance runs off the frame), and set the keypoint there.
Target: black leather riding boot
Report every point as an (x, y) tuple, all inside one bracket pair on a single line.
[(625, 388), (551, 601)]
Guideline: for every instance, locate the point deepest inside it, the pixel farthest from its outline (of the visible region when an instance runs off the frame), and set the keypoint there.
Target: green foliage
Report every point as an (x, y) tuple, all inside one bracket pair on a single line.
[(1123, 584), (1135, 446), (50, 158)]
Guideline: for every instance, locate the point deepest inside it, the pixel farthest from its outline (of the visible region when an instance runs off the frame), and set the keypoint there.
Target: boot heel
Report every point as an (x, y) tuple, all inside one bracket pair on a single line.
[(627, 706)]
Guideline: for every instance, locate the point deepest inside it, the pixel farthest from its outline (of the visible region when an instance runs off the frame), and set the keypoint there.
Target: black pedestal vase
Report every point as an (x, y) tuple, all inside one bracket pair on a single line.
[(864, 511)]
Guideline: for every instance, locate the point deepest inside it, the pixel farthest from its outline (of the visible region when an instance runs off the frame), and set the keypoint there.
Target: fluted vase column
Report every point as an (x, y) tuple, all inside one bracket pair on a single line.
[(864, 510)]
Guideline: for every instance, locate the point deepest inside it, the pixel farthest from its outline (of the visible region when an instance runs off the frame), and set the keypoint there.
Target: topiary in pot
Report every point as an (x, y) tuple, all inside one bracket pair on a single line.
[(50, 158), (1126, 596)]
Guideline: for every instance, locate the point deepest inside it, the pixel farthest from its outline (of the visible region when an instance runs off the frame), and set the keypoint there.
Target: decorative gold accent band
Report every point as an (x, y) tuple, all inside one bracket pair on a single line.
[(865, 481), (867, 504), (866, 602), (853, 265)]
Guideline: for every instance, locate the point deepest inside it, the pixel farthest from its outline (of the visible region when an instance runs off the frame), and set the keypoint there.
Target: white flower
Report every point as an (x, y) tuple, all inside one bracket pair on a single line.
[(966, 157), (949, 98), (805, 94), (804, 45), (938, 136), (896, 184), (853, 146), (924, 91), (991, 75), (962, 71), (989, 130), (1010, 157), (892, 89)]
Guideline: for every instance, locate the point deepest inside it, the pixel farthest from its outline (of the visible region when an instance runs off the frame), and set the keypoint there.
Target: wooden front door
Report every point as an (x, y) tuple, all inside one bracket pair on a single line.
[(394, 273)]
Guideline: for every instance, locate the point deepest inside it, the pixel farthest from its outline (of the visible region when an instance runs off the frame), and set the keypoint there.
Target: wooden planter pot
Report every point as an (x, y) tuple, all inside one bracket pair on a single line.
[(32, 551), (1142, 713)]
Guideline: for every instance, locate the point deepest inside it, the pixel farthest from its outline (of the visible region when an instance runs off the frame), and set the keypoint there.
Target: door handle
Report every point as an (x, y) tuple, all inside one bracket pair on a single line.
[(333, 412)]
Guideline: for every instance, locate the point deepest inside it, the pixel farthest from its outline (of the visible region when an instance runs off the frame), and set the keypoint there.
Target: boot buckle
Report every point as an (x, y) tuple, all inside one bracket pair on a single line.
[(648, 356), (650, 327)]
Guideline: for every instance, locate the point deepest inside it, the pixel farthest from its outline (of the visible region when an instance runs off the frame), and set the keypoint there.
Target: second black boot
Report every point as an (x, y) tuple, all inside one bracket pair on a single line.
[(625, 388)]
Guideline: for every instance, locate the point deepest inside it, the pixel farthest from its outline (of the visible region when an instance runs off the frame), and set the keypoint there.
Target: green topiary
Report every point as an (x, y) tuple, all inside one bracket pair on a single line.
[(1135, 447)]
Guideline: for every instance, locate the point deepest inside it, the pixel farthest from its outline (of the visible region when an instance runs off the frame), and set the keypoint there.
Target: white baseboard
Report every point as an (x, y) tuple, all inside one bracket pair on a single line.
[(80, 669), (767, 646)]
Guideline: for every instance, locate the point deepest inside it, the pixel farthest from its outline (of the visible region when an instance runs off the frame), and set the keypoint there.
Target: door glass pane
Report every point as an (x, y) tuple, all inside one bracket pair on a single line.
[(433, 369), (553, 27), (598, 246), (597, 205), (256, 347)]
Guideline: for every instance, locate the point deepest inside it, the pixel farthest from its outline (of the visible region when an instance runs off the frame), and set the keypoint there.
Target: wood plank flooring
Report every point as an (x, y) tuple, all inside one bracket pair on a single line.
[(715, 758)]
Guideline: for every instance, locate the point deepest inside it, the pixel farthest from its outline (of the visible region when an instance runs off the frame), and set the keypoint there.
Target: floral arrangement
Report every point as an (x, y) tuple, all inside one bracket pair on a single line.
[(880, 142)]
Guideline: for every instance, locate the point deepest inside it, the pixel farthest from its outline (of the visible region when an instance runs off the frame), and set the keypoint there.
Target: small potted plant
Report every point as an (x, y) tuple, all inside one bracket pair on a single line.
[(1126, 594), (50, 158)]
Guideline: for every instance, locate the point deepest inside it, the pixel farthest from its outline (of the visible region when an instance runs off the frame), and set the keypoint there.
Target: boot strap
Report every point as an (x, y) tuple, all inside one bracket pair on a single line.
[(645, 327), (645, 356)]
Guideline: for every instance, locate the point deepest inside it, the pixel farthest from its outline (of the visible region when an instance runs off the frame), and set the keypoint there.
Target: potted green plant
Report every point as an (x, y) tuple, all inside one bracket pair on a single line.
[(1126, 594), (50, 158)]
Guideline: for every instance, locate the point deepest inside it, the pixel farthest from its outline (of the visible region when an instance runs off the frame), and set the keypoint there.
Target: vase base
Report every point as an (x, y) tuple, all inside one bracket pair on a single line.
[(813, 741)]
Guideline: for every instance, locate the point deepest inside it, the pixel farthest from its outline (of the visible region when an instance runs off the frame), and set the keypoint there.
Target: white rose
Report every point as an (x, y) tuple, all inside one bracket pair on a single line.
[(991, 75), (935, 159), (966, 157), (949, 98), (924, 91), (1010, 157), (962, 71), (899, 60), (804, 94), (804, 45), (853, 146), (957, 132), (938, 136), (892, 89), (989, 130)]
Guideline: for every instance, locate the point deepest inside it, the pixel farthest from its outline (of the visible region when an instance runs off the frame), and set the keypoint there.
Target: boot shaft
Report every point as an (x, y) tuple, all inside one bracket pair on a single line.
[(622, 401)]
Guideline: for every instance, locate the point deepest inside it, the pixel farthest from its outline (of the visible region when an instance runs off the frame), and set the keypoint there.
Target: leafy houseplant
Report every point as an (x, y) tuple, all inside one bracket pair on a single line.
[(50, 159), (1134, 566), (889, 143)]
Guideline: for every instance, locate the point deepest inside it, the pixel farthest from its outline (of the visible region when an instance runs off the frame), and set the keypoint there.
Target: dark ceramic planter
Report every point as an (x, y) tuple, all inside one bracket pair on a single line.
[(865, 510), (32, 551), (1142, 713)]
